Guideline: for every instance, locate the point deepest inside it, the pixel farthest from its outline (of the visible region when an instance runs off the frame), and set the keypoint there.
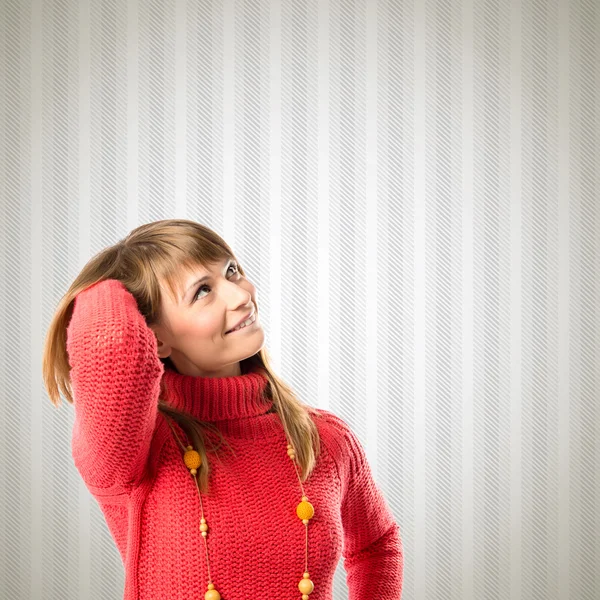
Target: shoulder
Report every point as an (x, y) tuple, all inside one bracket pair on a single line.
[(329, 419), (330, 422), (340, 439)]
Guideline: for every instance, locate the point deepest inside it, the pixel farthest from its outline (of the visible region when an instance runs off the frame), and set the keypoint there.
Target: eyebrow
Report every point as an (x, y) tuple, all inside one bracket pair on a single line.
[(227, 261)]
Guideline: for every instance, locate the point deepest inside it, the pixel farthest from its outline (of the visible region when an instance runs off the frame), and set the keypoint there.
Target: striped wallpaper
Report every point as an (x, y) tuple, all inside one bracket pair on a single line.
[(414, 190)]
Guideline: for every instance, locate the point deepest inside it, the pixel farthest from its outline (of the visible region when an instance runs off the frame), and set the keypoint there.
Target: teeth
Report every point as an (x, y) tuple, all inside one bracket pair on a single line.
[(246, 322)]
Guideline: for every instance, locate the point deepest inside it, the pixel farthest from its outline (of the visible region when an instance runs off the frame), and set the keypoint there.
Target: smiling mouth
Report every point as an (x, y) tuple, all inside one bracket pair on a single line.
[(252, 320)]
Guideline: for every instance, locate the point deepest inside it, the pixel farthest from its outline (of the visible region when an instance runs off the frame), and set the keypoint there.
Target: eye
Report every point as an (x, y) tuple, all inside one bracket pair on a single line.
[(231, 266)]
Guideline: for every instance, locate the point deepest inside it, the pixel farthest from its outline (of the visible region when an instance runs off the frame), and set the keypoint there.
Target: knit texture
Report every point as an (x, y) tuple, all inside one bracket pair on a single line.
[(131, 463)]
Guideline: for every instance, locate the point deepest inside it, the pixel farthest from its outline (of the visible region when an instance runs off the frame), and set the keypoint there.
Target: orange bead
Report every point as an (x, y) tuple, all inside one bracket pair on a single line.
[(305, 510), (192, 459), (306, 586), (212, 594)]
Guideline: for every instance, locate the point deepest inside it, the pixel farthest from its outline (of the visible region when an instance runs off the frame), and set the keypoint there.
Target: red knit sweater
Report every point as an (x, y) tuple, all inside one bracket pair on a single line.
[(131, 463)]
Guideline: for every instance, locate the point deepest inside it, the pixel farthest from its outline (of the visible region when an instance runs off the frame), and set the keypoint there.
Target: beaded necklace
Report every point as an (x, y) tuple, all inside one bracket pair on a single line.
[(305, 511)]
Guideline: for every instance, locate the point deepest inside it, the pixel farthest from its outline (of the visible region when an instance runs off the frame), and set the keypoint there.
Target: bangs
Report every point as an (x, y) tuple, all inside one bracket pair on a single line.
[(177, 270)]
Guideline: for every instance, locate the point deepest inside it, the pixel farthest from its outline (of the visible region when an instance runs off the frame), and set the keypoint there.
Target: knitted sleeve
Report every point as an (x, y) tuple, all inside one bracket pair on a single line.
[(372, 547), (115, 379)]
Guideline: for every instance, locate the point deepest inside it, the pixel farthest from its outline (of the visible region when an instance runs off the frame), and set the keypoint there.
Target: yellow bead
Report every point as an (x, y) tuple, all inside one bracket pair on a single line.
[(204, 534), (306, 586), (304, 596), (305, 510), (204, 527), (212, 594), (306, 575), (192, 459)]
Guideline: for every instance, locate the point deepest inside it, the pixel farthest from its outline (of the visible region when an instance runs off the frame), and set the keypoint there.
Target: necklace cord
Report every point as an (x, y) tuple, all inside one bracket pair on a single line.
[(305, 511)]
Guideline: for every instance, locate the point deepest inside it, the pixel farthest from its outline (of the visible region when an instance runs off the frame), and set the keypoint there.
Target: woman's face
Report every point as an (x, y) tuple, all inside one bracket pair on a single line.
[(195, 325)]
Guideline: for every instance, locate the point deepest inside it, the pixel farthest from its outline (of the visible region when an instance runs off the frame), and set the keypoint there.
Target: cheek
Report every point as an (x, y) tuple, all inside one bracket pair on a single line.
[(199, 326), (208, 326)]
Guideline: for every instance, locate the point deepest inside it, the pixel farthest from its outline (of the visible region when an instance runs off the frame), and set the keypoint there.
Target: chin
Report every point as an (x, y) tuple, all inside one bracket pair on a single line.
[(254, 343)]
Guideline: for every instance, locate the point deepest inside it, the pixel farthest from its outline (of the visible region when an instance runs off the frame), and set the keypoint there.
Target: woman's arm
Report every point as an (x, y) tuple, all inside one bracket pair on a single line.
[(373, 553), (115, 378), (372, 547)]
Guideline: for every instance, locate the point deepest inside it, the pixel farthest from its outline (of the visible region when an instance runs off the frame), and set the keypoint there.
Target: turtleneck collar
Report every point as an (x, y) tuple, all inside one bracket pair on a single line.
[(236, 405)]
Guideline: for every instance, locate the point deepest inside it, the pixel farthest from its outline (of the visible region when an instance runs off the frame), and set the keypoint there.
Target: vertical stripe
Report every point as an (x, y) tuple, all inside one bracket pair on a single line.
[(37, 245), (181, 120), (563, 542), (516, 319), (419, 205), (467, 563), (84, 251), (371, 267), (323, 207), (133, 116), (227, 230), (584, 459), (273, 342)]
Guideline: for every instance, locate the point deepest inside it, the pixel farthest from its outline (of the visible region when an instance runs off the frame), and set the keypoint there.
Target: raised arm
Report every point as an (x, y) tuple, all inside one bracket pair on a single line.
[(115, 379)]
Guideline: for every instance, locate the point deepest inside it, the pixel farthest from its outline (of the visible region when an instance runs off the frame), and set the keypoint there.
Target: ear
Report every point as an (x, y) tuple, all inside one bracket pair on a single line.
[(163, 349)]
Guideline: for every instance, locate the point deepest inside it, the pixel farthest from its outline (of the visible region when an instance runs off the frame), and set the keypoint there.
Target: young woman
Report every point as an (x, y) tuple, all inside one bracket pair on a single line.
[(214, 479)]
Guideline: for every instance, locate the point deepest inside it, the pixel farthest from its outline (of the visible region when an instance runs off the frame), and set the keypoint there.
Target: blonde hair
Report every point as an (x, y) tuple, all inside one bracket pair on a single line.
[(163, 251)]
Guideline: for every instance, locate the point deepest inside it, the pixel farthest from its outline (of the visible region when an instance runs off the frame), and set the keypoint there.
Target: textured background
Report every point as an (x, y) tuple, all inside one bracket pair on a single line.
[(413, 189)]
